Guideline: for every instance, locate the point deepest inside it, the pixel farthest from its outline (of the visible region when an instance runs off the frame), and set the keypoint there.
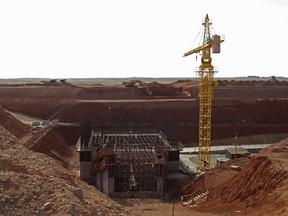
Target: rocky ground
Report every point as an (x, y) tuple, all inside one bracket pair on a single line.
[(34, 184)]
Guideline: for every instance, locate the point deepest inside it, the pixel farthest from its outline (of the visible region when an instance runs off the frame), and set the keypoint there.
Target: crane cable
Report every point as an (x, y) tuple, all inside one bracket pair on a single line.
[(201, 36), (198, 45), (196, 37)]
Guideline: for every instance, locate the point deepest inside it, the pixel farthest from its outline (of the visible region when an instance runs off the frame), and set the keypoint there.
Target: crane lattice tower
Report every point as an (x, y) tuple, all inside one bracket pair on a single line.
[(205, 91)]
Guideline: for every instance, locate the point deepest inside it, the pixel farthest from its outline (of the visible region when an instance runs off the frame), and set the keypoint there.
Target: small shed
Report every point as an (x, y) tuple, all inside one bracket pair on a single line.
[(236, 152)]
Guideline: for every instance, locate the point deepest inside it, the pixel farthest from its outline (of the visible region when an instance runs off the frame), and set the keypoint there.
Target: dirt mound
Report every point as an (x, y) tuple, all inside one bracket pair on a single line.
[(156, 84), (261, 187), (7, 140), (184, 84), (214, 178), (112, 92), (35, 184), (229, 83), (13, 125), (52, 144)]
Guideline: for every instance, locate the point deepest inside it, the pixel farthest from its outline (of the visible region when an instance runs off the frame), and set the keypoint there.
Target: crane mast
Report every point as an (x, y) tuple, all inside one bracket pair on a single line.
[(205, 91)]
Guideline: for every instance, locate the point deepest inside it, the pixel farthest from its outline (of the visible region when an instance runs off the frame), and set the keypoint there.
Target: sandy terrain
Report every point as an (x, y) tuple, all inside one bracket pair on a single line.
[(37, 170)]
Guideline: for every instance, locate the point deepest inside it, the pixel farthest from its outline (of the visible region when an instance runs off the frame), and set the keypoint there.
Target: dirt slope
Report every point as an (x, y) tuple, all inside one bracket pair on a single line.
[(248, 107), (16, 127), (39, 101), (260, 188), (35, 184), (51, 143)]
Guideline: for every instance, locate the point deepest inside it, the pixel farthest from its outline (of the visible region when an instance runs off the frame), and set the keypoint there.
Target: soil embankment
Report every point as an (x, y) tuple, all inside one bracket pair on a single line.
[(259, 188), (35, 184), (13, 125), (246, 107)]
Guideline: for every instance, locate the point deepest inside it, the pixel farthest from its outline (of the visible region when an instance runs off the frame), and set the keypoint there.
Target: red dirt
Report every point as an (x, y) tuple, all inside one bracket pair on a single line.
[(39, 101), (10, 123), (260, 188), (248, 107), (35, 184), (52, 144), (245, 107)]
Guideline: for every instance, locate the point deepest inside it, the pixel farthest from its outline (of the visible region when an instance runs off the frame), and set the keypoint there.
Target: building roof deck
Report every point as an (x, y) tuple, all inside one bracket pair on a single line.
[(125, 141)]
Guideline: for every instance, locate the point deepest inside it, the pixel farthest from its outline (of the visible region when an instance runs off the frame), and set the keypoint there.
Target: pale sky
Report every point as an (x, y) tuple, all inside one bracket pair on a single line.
[(139, 38)]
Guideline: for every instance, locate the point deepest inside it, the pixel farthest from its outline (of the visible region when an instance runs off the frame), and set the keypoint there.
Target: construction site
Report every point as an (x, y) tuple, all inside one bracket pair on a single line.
[(129, 161), (146, 146)]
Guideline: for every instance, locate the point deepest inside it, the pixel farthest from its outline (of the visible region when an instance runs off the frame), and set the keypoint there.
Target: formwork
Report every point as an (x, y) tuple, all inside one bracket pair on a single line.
[(134, 162)]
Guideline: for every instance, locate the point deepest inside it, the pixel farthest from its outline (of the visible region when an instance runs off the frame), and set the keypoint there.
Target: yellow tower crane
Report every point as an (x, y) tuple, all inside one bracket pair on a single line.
[(205, 91)]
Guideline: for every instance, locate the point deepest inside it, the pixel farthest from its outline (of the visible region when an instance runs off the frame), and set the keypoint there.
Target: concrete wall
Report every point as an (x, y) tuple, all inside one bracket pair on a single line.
[(98, 181), (85, 171), (173, 166), (111, 183), (105, 182)]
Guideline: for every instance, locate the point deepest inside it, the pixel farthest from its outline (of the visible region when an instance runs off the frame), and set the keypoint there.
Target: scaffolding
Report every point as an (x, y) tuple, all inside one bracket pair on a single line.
[(134, 160)]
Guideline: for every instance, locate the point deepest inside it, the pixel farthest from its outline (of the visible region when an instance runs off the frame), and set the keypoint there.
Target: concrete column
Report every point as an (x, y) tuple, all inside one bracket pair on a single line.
[(85, 171), (111, 183), (105, 182), (160, 185), (97, 181)]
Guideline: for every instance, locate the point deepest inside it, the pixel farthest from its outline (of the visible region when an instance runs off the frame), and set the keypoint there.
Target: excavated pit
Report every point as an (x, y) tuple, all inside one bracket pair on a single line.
[(246, 107), (256, 110)]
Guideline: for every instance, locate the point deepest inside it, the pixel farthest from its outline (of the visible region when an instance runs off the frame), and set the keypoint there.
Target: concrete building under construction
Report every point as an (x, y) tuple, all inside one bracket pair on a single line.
[(134, 162)]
